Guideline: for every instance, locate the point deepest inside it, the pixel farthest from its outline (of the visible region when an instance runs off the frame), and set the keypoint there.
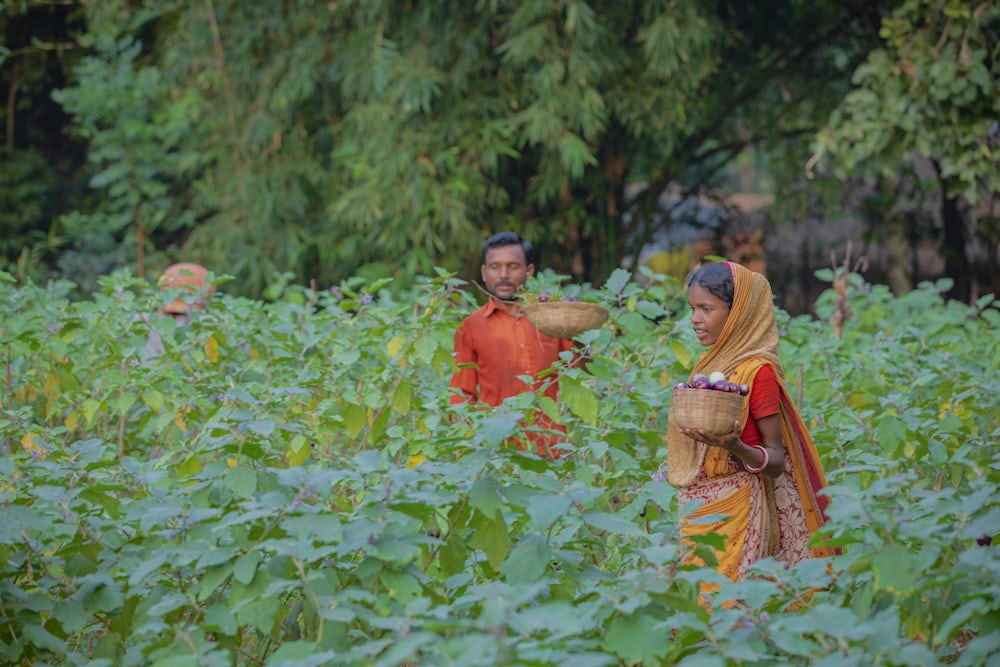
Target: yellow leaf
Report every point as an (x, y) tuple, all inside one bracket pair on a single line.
[(179, 420), (856, 401), (212, 349), (682, 353), (298, 451), (189, 466), (254, 354), (72, 421), (30, 446), (395, 345), (51, 386), (415, 460), (153, 399), (231, 462), (297, 458)]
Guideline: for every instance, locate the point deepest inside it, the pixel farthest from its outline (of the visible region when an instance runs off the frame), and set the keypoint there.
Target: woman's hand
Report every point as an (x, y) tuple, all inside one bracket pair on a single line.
[(770, 428), (729, 442)]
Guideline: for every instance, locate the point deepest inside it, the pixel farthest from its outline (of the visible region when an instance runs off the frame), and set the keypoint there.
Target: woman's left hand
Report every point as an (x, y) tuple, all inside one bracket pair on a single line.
[(729, 442)]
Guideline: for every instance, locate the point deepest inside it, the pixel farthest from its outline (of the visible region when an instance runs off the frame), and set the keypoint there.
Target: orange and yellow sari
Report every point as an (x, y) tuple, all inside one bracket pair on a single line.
[(761, 516)]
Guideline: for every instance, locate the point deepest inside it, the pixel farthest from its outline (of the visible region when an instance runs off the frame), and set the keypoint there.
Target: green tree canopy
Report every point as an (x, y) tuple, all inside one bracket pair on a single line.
[(336, 138)]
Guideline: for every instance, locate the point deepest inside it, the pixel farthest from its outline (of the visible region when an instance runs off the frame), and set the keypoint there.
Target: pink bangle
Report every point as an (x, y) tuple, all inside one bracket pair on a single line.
[(763, 465)]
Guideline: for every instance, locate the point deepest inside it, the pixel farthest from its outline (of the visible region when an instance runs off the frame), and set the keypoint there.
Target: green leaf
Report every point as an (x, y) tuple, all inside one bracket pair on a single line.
[(124, 402), (300, 654), (617, 281), (264, 427), (453, 555), (891, 432), (490, 536), (214, 576), (245, 567), (219, 618), (580, 399), (545, 509), (485, 496), (636, 639), (497, 429), (896, 569), (528, 561), (611, 523)]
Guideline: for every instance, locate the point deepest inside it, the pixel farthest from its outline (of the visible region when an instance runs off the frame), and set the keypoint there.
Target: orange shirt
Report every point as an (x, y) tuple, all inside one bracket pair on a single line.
[(502, 347)]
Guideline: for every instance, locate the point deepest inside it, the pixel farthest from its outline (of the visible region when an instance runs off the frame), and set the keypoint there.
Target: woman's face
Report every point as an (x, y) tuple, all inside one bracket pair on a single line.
[(708, 314)]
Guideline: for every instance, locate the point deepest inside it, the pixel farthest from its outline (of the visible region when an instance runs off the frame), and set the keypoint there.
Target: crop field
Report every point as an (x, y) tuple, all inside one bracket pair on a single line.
[(287, 484)]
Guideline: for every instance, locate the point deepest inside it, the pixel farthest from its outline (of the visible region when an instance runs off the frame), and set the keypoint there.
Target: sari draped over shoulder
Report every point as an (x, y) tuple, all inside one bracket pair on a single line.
[(759, 516)]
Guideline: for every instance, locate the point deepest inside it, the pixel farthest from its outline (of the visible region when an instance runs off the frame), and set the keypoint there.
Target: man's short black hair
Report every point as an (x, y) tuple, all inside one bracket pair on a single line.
[(502, 239)]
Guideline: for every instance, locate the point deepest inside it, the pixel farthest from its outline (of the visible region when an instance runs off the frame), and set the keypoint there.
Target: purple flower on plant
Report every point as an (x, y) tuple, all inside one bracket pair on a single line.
[(54, 328), (133, 362), (764, 617), (327, 563), (658, 476), (545, 296), (120, 339), (367, 298), (335, 291), (984, 541)]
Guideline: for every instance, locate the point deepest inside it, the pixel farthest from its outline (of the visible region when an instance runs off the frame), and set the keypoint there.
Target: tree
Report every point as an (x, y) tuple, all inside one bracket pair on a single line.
[(384, 138), (37, 165), (929, 90)]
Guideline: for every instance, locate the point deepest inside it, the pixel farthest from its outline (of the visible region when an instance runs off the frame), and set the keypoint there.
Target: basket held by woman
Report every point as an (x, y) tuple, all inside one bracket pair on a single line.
[(706, 409)]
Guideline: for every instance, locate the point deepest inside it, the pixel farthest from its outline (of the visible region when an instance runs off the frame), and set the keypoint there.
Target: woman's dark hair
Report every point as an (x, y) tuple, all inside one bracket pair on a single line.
[(504, 239), (717, 279)]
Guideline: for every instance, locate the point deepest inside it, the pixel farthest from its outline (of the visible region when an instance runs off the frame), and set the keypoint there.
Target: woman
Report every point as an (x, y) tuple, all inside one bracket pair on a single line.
[(765, 475)]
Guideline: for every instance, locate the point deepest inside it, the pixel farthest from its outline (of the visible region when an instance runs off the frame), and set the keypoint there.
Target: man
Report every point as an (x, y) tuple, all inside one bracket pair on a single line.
[(190, 280), (497, 344)]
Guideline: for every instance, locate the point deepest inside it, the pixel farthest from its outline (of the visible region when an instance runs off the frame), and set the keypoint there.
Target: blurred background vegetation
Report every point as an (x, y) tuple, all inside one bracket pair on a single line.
[(383, 138)]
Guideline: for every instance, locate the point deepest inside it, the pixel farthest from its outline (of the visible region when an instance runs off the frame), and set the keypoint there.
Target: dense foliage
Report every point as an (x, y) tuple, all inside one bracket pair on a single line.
[(287, 485), (381, 138)]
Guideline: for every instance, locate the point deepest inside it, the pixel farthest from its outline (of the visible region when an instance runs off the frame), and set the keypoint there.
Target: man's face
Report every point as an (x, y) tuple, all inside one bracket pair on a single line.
[(505, 270)]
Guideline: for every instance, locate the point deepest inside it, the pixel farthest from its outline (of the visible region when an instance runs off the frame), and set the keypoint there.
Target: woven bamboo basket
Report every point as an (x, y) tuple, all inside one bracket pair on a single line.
[(565, 319), (706, 409)]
